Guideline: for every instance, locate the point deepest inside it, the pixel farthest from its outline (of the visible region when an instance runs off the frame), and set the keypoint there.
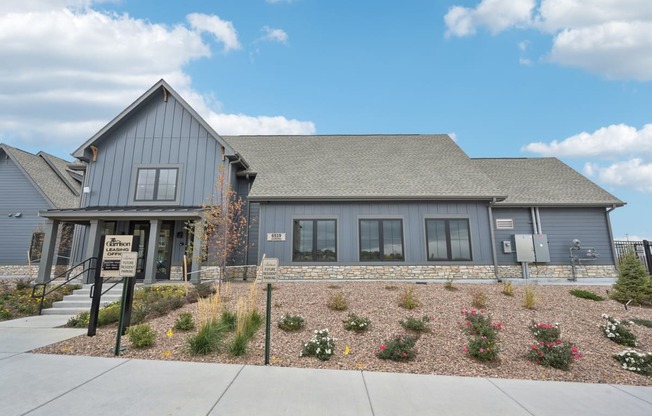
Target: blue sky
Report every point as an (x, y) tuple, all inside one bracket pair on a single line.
[(507, 78)]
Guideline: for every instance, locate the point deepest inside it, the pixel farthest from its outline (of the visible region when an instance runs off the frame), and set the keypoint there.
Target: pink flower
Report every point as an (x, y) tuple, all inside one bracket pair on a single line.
[(468, 323), (466, 349), (473, 312), (534, 347), (382, 347), (404, 354), (574, 350), (481, 350)]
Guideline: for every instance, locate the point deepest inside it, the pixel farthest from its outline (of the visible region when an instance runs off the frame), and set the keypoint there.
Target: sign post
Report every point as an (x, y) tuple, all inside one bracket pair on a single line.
[(127, 270), (269, 275)]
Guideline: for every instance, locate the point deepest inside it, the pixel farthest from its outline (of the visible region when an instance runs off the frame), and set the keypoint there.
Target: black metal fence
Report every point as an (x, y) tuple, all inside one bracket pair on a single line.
[(641, 248)]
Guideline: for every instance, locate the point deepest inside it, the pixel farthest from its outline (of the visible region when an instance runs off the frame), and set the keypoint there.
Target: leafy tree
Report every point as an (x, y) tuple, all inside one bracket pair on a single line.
[(633, 281)]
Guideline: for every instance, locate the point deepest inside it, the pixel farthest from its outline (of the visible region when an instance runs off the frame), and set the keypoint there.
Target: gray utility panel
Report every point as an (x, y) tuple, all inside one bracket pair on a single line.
[(532, 248)]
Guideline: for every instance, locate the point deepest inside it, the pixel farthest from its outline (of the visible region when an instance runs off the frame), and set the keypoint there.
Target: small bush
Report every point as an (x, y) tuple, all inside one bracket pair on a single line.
[(408, 299), (6, 313), (545, 332), (556, 354), (238, 346), (479, 298), (141, 336), (635, 361), (229, 319), (483, 348), (642, 322), (508, 289), (483, 335), (166, 305), (321, 345), (109, 314), (337, 302), (416, 325), (184, 322), (291, 323), (391, 288), (138, 313), (356, 323), (634, 282), (586, 294), (529, 301), (24, 283), (400, 348), (448, 285), (81, 320), (618, 332), (207, 340)]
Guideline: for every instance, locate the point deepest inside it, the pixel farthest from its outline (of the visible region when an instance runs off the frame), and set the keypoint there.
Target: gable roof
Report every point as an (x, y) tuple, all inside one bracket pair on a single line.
[(160, 87), (47, 180), (355, 167), (544, 181)]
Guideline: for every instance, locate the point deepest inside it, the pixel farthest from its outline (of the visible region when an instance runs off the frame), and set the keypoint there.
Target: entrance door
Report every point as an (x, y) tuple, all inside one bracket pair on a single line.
[(163, 248)]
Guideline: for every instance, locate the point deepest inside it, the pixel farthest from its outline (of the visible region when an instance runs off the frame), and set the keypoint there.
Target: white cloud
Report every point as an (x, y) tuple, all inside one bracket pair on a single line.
[(634, 174), (274, 35), (612, 38), (67, 71), (606, 142), (495, 15)]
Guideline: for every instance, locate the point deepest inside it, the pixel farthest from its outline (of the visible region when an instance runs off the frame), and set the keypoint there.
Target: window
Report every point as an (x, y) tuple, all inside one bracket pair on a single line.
[(65, 243), (381, 240), (448, 240), (36, 246), (156, 184), (314, 240)]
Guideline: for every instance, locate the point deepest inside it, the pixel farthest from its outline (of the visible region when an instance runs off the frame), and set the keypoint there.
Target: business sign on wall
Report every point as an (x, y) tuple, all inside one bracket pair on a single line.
[(114, 247)]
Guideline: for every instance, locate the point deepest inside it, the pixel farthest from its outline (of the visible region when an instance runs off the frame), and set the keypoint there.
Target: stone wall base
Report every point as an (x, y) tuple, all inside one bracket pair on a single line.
[(24, 271), (396, 272)]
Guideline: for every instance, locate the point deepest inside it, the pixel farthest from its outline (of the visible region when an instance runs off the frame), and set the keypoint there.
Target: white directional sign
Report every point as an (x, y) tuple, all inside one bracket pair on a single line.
[(269, 270), (128, 262)]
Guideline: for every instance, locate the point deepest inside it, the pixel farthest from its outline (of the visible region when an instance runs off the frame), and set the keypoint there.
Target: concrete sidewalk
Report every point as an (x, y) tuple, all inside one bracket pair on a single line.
[(39, 384)]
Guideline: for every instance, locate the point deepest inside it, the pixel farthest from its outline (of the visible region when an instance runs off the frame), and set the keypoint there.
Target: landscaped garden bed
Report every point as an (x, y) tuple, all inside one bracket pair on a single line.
[(394, 314)]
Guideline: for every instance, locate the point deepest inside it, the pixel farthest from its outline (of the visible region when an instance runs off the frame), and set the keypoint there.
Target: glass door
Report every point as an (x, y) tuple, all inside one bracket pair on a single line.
[(140, 229), (164, 250)]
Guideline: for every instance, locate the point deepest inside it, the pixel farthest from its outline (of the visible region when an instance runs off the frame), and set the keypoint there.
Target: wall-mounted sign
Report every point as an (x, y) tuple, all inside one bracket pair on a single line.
[(275, 236), (114, 246), (128, 262), (269, 270)]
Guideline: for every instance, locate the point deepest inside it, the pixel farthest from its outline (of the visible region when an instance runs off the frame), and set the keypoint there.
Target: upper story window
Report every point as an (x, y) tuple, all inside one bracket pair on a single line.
[(156, 184), (448, 239), (381, 240), (314, 240)]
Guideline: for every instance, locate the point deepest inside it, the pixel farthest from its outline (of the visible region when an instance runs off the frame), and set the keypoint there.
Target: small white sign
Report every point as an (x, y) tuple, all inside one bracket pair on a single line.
[(275, 236), (128, 262), (269, 272)]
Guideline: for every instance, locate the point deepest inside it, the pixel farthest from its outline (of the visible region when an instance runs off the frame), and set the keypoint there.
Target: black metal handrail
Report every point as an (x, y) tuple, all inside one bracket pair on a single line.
[(87, 265)]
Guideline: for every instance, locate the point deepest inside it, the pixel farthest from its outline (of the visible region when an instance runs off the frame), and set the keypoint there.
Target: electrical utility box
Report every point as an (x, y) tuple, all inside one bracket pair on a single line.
[(524, 248), (541, 252)]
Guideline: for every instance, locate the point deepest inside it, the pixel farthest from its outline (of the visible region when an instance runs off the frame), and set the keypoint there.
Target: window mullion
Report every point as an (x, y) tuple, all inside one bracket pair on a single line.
[(449, 252), (381, 240), (314, 240)]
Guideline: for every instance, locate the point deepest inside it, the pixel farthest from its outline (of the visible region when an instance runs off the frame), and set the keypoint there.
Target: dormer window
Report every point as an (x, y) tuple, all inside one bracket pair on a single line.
[(156, 184)]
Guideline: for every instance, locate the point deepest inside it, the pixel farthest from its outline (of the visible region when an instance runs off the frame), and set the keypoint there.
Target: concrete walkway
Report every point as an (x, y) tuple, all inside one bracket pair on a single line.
[(39, 384)]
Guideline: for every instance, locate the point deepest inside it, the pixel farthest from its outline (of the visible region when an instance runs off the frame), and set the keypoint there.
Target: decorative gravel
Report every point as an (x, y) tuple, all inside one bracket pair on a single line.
[(439, 351)]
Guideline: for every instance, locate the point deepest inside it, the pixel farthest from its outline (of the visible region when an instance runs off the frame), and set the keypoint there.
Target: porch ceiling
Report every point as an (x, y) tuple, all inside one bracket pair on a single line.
[(122, 213)]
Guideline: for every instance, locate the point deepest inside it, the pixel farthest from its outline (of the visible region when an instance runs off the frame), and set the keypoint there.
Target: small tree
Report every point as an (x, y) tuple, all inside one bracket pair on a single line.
[(633, 281), (224, 230)]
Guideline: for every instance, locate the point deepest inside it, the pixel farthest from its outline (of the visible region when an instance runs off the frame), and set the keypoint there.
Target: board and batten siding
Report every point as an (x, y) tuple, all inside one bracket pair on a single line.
[(278, 218), (161, 133), (522, 220), (27, 200)]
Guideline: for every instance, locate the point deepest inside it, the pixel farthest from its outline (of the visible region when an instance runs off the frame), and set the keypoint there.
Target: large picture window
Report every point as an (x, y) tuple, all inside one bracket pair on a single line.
[(448, 239), (156, 184), (381, 240), (314, 240)]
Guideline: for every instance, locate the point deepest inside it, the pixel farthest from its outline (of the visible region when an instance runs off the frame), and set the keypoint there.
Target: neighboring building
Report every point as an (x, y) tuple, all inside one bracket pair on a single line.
[(29, 184), (376, 206)]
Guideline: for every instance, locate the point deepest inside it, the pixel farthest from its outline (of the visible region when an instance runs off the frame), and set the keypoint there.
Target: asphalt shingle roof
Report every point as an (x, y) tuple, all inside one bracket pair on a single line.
[(362, 167), (543, 181), (44, 177)]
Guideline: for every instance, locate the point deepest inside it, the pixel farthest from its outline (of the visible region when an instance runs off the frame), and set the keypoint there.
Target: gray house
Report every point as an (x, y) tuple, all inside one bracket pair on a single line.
[(29, 184), (376, 206)]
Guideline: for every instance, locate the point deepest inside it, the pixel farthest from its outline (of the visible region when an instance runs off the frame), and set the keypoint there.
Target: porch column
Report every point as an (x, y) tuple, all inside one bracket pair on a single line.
[(93, 246), (196, 252), (47, 252), (152, 252)]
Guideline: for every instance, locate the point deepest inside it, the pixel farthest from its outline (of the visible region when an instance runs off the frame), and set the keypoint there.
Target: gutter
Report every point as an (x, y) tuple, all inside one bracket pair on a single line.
[(611, 235)]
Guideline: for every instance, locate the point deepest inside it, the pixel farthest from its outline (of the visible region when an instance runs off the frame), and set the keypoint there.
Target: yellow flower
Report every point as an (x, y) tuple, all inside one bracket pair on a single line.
[(167, 353), (170, 333), (347, 350)]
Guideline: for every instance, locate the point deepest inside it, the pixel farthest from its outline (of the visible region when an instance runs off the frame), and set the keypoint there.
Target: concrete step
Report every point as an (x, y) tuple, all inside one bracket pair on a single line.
[(64, 311), (80, 301)]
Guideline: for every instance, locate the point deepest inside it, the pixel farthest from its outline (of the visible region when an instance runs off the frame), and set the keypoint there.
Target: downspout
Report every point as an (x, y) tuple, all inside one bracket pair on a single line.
[(493, 238), (611, 236), (538, 215), (535, 227)]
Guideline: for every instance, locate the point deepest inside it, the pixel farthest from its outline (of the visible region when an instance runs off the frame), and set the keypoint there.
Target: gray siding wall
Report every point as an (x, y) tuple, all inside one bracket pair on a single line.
[(17, 232), (278, 218), (561, 225), (589, 225), (161, 133)]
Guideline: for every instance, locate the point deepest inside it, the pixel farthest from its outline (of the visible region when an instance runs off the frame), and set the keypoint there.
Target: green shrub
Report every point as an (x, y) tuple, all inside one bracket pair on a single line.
[(337, 301), (81, 320), (408, 299), (508, 289), (618, 332), (208, 339), (291, 323), (109, 314), (163, 306), (586, 294), (635, 361), (141, 336), (399, 348), (633, 281), (321, 345), (184, 322), (483, 335), (545, 332), (238, 345), (139, 312), (356, 323), (24, 283), (416, 325), (229, 319), (556, 354), (201, 291), (483, 348), (5, 313), (642, 322)]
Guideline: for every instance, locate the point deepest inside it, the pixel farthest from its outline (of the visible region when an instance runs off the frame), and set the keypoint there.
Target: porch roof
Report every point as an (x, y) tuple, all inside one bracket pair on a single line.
[(122, 213)]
